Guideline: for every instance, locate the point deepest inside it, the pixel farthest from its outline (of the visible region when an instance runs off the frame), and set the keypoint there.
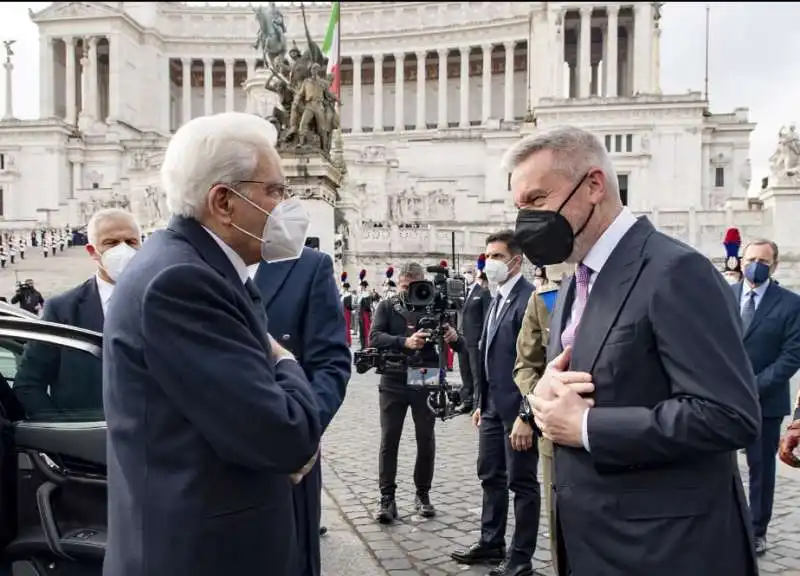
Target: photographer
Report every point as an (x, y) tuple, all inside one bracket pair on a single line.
[(28, 297), (391, 332)]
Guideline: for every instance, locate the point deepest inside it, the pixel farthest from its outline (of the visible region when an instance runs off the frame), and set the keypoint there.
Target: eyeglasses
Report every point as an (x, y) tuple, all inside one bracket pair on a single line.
[(275, 190)]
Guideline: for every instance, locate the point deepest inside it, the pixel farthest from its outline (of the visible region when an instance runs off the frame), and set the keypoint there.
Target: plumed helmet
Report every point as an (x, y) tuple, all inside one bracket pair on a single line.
[(481, 262)]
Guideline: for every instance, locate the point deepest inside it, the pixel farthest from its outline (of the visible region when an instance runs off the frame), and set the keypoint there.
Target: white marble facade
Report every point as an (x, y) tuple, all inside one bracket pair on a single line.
[(456, 84)]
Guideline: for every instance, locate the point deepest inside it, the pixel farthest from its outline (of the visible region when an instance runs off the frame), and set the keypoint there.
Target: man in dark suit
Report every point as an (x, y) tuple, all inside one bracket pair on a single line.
[(646, 479), (771, 326), (476, 304), (302, 306), (501, 465), (53, 383), (210, 420)]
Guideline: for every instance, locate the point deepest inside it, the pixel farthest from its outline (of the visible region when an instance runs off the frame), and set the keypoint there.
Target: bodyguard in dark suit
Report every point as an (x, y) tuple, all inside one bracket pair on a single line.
[(500, 467), (53, 383), (646, 480), (302, 305), (476, 304), (771, 326), (210, 420)]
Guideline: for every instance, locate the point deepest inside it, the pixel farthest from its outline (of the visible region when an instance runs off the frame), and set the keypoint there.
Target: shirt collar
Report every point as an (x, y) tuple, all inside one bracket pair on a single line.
[(104, 289), (236, 260), (759, 290), (506, 288), (601, 251)]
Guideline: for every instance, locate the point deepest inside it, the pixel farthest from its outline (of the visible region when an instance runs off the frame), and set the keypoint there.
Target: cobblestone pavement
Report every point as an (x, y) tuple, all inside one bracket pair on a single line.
[(415, 546), (50, 275)]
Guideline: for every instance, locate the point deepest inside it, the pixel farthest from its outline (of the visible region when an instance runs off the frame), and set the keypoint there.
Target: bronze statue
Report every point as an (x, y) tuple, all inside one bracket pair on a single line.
[(271, 38), (7, 44)]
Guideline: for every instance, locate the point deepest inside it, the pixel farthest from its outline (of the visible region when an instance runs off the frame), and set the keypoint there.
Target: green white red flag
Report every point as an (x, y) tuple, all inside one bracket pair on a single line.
[(331, 50)]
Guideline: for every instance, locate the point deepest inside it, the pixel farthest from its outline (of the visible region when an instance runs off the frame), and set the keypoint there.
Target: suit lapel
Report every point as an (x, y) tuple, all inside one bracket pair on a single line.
[(90, 308), (609, 293), (500, 314), (768, 302), (566, 295), (271, 276)]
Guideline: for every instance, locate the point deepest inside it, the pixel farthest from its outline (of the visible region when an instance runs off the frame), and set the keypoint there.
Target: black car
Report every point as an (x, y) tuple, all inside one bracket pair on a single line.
[(53, 485)]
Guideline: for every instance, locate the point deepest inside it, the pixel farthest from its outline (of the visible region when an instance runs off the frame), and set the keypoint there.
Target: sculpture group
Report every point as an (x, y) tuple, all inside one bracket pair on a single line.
[(305, 116), (785, 162)]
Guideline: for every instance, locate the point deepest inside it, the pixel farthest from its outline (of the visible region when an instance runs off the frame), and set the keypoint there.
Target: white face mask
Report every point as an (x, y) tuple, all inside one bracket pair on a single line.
[(496, 271), (285, 230), (116, 259)]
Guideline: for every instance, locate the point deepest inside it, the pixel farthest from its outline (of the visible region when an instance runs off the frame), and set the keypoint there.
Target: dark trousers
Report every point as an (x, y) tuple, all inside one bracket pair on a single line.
[(761, 468), (500, 469), (468, 360), (394, 403), (307, 509)]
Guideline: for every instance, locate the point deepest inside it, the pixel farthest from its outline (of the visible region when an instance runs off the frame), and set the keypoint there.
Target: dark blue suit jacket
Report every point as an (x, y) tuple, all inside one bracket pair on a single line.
[(302, 305), (204, 427), (74, 378), (772, 342), (502, 353)]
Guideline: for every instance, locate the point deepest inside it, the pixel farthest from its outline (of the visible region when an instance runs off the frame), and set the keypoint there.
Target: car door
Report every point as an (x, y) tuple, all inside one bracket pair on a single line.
[(53, 487)]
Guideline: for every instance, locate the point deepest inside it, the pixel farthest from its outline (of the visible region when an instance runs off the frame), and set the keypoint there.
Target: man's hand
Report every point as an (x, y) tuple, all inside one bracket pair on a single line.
[(557, 371), (476, 418), (521, 436), (416, 340), (561, 419), (300, 474), (790, 444), (278, 351), (450, 334)]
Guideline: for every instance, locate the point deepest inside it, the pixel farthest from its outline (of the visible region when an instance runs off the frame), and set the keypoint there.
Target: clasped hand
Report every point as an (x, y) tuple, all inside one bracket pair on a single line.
[(278, 351), (790, 444), (300, 474), (557, 405)]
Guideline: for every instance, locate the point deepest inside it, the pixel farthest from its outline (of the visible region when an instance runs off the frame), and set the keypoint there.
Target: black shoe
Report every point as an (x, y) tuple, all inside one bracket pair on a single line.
[(480, 553), (761, 545), (508, 568), (323, 530), (387, 513), (423, 506)]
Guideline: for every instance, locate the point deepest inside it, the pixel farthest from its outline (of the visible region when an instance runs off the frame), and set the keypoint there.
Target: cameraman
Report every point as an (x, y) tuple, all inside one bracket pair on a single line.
[(28, 297), (393, 330)]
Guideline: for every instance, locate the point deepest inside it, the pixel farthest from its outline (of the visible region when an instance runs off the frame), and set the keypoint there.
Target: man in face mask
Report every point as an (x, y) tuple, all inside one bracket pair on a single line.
[(476, 304), (771, 327), (113, 241)]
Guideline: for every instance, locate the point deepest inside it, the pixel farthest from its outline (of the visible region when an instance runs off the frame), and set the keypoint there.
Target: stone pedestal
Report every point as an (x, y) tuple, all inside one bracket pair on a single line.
[(315, 181), (260, 101), (781, 199)]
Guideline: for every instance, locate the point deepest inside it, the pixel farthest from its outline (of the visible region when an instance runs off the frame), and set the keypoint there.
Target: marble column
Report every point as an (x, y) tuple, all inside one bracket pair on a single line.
[(9, 111), (422, 122), (208, 86), (377, 119), (585, 53), (186, 105), (115, 79), (229, 62), (71, 80), (399, 89), (642, 47), (84, 114), (357, 112), (166, 93), (77, 178), (442, 104), (612, 51), (463, 121), (46, 91), (560, 55), (508, 104), (93, 95), (486, 99)]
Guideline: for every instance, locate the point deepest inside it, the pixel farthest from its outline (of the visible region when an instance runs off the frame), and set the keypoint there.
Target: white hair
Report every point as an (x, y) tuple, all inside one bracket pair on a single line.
[(575, 151), (109, 214), (222, 148)]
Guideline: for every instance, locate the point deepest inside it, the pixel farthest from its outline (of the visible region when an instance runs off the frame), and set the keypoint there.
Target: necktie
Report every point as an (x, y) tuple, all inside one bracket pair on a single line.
[(494, 311), (748, 311), (582, 275), (255, 296)]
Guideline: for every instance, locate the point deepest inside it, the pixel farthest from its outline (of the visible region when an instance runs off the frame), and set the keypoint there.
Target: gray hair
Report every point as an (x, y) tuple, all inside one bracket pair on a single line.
[(412, 270), (109, 214), (575, 151), (221, 148), (763, 242)]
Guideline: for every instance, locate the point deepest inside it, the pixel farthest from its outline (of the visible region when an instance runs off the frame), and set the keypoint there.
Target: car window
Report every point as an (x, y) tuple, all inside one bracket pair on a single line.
[(52, 382)]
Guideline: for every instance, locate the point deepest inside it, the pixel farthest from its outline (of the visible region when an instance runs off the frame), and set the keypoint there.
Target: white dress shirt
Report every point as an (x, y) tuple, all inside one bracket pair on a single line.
[(104, 290), (236, 260), (759, 292), (596, 258), (503, 290)]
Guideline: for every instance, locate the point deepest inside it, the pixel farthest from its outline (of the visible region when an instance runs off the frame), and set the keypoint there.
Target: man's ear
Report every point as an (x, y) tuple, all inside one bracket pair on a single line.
[(219, 201), (92, 251)]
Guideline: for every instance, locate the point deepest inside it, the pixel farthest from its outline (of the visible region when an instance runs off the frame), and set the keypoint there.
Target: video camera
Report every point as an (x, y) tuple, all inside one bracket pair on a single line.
[(429, 306)]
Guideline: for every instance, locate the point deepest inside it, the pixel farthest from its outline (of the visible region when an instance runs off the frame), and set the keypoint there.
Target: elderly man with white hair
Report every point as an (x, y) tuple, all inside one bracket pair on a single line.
[(210, 421), (114, 239)]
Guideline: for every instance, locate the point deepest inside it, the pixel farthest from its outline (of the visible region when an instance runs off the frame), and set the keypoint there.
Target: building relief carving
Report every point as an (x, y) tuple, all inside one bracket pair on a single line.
[(413, 205)]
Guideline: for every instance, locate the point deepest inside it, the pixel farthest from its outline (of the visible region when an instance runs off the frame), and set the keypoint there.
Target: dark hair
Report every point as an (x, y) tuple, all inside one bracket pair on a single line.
[(412, 270), (764, 242), (508, 238)]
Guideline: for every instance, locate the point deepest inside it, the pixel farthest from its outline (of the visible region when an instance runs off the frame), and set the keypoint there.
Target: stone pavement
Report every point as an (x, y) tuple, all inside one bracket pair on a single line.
[(415, 546), (50, 275)]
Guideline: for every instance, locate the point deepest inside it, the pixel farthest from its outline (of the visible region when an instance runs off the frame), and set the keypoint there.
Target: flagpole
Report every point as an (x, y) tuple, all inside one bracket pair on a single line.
[(708, 29), (339, 56)]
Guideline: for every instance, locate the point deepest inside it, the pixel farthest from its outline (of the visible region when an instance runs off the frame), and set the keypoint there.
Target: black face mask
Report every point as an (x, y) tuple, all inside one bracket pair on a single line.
[(546, 237)]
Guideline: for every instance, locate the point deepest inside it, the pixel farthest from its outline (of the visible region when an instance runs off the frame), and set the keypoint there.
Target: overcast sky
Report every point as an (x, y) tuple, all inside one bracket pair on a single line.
[(754, 61)]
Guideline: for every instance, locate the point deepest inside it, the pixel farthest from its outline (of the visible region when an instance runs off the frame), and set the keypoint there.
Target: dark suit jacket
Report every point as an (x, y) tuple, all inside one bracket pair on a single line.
[(660, 492), (473, 314), (302, 305), (75, 379), (203, 427), (501, 344), (772, 342)]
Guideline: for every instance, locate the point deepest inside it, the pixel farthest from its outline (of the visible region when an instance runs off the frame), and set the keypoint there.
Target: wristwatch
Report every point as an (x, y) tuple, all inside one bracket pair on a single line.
[(525, 412)]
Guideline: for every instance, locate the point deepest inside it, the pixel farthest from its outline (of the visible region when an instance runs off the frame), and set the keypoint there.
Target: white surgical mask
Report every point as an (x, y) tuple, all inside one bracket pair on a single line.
[(496, 271), (116, 259), (285, 230)]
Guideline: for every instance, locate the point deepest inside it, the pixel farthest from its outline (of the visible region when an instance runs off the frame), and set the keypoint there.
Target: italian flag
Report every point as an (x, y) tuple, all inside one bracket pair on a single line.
[(330, 48)]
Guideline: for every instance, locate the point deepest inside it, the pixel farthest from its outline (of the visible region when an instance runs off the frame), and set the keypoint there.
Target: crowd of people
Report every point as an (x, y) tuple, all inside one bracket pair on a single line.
[(632, 383)]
